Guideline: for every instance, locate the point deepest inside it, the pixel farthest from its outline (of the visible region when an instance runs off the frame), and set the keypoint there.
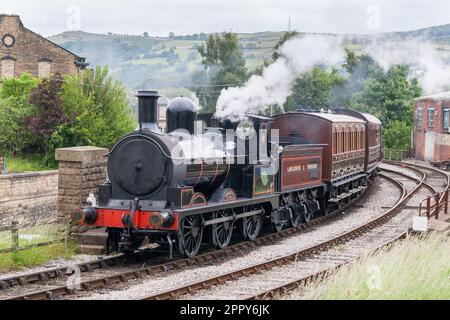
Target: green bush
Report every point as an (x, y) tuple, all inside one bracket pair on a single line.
[(98, 108), (38, 116)]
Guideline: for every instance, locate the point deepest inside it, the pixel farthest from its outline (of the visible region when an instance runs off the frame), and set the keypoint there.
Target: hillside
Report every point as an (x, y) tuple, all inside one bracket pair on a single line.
[(159, 62)]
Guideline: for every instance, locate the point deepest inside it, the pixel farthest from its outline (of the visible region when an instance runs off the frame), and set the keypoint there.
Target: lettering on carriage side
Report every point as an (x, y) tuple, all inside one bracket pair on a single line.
[(295, 169)]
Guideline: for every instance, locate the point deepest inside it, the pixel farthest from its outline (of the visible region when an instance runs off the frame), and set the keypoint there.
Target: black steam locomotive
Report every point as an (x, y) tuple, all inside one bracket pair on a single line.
[(190, 186)]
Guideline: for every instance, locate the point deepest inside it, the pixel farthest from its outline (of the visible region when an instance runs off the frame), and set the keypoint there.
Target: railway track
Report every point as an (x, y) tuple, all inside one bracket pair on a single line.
[(295, 270), (208, 257), (280, 263), (62, 274)]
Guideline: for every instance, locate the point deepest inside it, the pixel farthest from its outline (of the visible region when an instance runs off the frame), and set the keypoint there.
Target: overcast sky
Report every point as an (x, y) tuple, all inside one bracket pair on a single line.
[(159, 17)]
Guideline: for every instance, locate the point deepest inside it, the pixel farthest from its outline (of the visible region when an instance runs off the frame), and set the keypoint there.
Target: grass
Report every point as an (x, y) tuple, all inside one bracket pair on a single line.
[(35, 256), (30, 236), (417, 268), (18, 164)]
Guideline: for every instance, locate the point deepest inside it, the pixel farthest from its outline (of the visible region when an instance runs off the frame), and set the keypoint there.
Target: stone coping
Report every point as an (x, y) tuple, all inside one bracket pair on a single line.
[(28, 174)]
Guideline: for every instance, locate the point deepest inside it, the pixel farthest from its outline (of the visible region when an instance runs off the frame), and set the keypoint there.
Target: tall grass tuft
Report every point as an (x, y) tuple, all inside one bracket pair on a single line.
[(416, 268)]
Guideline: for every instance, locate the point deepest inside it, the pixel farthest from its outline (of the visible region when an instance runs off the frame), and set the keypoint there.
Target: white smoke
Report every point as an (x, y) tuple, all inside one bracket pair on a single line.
[(428, 64), (297, 56)]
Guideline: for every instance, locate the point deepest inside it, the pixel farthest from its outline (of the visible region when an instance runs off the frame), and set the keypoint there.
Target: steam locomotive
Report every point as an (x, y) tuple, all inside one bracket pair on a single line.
[(191, 185)]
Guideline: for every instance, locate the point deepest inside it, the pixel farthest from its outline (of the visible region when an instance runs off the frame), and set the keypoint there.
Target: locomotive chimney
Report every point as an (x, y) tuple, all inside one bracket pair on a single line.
[(148, 110)]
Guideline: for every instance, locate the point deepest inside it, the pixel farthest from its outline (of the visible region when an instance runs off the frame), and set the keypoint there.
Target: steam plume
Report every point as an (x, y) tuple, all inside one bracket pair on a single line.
[(273, 87)]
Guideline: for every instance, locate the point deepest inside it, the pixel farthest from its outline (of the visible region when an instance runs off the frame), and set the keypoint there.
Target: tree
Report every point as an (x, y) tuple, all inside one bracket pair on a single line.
[(171, 35), (14, 135), (14, 110), (286, 36), (224, 65), (145, 35), (312, 90), (389, 95), (99, 108), (46, 98)]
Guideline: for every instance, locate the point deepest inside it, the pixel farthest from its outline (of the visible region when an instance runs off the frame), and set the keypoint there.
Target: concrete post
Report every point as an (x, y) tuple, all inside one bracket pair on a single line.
[(81, 170)]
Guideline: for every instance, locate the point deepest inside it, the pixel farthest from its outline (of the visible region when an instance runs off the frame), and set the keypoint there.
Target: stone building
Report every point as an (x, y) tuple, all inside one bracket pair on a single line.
[(24, 51), (432, 127)]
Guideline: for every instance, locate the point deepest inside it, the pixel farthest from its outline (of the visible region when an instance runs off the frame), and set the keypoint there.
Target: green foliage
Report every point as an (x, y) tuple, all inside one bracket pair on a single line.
[(313, 89), (27, 163), (415, 269), (224, 64), (99, 108), (389, 95), (397, 135), (18, 88), (36, 117), (14, 109), (14, 136), (286, 36), (35, 256)]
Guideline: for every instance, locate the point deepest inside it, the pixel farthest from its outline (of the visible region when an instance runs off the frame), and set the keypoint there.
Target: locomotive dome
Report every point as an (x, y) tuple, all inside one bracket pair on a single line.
[(181, 114)]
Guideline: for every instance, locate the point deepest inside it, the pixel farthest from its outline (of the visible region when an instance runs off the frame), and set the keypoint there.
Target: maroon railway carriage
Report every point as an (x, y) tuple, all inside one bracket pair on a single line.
[(344, 147), (373, 137), (319, 164)]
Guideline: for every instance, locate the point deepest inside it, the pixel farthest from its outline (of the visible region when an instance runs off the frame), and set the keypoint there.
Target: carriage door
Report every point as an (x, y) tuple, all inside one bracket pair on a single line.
[(429, 146)]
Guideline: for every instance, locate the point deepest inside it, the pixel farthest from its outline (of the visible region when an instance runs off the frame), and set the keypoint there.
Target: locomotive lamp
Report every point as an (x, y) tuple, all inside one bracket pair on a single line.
[(87, 215), (161, 219)]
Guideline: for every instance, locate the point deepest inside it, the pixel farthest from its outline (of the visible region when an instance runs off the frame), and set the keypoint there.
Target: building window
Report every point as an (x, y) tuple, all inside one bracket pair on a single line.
[(8, 67), (44, 68), (430, 118), (419, 118), (446, 119)]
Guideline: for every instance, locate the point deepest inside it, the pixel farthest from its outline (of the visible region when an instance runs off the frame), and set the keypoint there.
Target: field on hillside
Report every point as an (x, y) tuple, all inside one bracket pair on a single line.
[(144, 62), (157, 62)]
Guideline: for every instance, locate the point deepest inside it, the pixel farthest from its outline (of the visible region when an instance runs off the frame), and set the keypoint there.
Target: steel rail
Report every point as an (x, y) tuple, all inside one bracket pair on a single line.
[(290, 286), (301, 254), (415, 166), (106, 281)]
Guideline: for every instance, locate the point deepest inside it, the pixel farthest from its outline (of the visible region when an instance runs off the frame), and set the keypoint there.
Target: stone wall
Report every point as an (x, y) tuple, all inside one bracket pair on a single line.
[(29, 50), (29, 198), (81, 171)]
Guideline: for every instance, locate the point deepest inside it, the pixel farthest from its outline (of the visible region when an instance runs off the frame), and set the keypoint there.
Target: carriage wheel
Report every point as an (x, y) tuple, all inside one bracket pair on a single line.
[(191, 235), (295, 218), (252, 226), (222, 232)]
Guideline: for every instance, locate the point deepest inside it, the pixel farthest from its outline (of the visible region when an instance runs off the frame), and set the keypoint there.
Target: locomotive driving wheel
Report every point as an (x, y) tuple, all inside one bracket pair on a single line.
[(222, 232), (191, 232), (295, 218), (251, 226)]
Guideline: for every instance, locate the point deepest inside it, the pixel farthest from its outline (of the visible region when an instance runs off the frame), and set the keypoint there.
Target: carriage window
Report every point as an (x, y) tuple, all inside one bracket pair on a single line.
[(430, 118), (358, 145), (351, 141), (334, 143), (345, 141)]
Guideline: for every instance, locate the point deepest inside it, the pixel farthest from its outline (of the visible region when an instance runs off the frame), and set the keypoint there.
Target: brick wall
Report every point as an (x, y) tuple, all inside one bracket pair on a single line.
[(30, 49), (30, 198), (441, 137)]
